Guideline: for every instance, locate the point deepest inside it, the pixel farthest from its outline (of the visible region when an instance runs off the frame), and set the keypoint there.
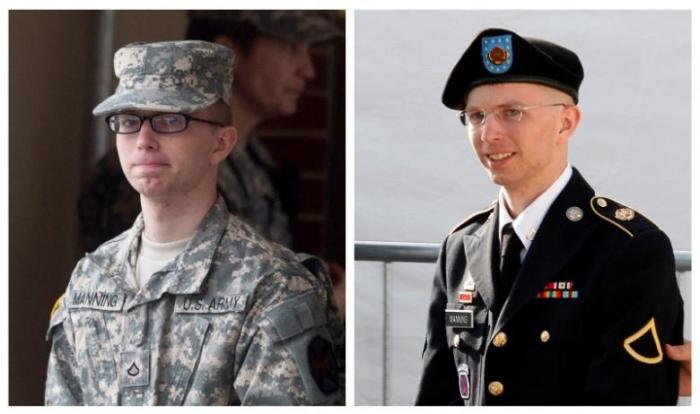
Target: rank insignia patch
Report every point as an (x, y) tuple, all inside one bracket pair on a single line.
[(497, 53), (136, 365), (638, 340)]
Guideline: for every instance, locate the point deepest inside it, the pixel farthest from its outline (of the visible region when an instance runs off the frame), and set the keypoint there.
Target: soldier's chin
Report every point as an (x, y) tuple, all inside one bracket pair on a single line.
[(288, 111), (497, 178), (289, 106), (148, 187)]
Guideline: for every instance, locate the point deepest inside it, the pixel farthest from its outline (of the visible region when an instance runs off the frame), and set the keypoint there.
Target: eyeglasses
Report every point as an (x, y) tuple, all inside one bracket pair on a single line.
[(160, 123), (505, 114)]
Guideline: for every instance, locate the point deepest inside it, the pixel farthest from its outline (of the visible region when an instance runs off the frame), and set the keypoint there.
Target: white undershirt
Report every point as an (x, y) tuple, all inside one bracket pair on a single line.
[(528, 221), (154, 256)]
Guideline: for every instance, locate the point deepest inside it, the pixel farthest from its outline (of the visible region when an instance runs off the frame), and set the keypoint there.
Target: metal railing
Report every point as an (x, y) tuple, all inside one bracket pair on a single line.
[(390, 252), (428, 252)]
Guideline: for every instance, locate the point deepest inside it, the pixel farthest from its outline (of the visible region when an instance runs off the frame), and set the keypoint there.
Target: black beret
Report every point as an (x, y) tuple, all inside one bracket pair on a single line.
[(499, 55)]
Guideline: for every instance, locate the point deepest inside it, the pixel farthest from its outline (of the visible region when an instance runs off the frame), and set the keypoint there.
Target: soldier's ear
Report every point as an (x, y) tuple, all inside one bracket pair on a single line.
[(226, 139), (569, 120)]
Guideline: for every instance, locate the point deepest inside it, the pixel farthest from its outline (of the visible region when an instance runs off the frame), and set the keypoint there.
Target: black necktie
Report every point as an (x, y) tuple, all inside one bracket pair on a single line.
[(510, 258)]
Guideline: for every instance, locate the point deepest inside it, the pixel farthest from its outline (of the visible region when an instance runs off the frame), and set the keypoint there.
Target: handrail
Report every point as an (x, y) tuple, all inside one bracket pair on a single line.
[(375, 251)]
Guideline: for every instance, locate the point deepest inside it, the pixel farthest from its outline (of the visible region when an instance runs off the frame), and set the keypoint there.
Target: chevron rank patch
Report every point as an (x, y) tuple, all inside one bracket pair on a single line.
[(644, 345)]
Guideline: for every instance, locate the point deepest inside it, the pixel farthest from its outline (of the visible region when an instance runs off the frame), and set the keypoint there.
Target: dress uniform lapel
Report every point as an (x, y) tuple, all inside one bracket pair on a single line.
[(557, 241), (478, 248)]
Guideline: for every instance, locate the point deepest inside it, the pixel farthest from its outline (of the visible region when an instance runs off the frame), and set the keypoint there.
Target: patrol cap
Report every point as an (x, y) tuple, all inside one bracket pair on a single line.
[(180, 76), (293, 26), (499, 55)]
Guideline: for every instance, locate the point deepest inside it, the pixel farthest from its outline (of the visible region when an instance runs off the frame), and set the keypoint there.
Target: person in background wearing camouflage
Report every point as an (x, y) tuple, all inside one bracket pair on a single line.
[(273, 66), (191, 305)]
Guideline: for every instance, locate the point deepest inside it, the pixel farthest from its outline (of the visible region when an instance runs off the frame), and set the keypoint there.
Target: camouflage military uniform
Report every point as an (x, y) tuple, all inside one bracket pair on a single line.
[(247, 180), (234, 319)]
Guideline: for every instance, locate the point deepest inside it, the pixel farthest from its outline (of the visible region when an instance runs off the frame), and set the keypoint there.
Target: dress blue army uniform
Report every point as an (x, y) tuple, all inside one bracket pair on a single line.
[(592, 303), (544, 348)]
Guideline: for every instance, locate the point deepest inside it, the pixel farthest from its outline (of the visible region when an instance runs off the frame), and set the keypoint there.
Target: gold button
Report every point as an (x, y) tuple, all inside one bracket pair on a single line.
[(601, 202), (544, 336), (495, 388), (500, 340), (455, 341)]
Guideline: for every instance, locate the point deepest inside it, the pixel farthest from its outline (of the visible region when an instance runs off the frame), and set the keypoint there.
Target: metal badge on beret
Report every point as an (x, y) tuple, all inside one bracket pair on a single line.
[(497, 52)]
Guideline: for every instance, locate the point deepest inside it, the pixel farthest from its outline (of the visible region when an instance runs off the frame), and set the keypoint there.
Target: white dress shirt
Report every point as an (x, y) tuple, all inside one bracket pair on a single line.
[(528, 221)]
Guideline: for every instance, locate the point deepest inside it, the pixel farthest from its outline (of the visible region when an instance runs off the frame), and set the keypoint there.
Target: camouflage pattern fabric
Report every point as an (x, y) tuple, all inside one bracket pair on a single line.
[(234, 319), (180, 76), (292, 26), (109, 205), (246, 183)]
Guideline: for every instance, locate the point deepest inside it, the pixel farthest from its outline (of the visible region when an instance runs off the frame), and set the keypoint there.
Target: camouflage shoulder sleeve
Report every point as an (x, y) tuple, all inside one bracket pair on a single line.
[(291, 357), (62, 375)]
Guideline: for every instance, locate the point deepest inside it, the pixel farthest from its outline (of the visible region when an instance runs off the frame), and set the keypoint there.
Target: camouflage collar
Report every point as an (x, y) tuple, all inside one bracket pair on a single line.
[(184, 275)]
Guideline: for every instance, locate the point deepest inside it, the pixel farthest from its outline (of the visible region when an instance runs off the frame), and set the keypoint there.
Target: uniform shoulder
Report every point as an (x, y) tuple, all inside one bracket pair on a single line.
[(620, 216), (261, 255), (479, 215), (105, 255)]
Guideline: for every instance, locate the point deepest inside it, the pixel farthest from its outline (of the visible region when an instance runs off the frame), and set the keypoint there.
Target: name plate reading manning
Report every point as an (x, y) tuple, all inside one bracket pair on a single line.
[(96, 300), (459, 318)]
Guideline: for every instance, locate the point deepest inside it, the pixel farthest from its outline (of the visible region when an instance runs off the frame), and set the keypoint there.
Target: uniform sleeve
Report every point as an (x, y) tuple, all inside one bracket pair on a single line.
[(289, 355), (62, 381), (438, 383), (640, 311)]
